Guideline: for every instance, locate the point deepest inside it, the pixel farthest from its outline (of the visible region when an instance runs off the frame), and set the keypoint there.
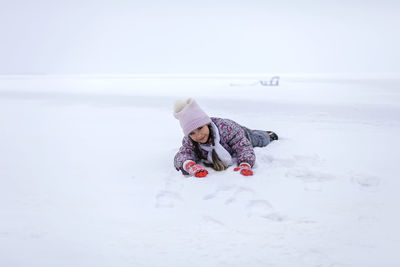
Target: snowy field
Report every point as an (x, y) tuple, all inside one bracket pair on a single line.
[(87, 176)]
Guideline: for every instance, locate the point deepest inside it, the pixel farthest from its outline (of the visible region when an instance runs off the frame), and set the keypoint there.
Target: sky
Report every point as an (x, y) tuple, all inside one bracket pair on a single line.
[(186, 37)]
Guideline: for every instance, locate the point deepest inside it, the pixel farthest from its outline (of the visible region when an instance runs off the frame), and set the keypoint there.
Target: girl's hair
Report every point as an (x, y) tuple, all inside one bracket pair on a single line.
[(217, 164)]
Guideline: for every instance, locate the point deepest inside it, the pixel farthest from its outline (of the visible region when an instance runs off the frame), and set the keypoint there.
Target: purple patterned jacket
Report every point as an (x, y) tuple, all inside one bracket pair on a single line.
[(233, 139)]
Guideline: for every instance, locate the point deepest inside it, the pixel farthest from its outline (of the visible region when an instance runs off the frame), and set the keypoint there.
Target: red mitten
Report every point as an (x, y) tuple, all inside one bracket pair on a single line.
[(195, 169), (244, 168)]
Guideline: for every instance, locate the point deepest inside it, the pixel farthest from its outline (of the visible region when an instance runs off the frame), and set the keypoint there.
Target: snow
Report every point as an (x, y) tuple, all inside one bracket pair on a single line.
[(87, 176)]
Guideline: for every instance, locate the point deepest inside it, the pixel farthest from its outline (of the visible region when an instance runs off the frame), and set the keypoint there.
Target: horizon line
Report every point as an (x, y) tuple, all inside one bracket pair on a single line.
[(205, 75)]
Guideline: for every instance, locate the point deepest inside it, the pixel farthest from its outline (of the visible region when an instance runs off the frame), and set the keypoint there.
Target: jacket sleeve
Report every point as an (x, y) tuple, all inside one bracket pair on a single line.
[(240, 145), (186, 152)]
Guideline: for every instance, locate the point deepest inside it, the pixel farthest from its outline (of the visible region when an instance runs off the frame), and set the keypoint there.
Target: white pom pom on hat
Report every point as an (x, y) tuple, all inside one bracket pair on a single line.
[(190, 115)]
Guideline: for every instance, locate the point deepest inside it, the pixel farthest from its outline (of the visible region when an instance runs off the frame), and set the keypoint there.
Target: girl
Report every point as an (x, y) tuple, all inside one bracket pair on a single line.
[(217, 143)]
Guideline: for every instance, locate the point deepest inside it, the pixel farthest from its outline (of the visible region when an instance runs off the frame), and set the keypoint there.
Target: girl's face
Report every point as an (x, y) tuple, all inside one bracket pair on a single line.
[(200, 135)]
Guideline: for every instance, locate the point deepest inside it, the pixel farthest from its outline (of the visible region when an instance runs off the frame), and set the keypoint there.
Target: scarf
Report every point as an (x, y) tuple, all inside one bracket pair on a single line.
[(222, 153)]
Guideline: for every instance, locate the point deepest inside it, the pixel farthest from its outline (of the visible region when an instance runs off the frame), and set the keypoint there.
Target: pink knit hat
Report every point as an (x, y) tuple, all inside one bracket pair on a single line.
[(190, 115)]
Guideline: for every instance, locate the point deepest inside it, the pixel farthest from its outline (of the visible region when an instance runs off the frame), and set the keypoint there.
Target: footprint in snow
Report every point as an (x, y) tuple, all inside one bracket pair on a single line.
[(366, 182), (231, 194), (293, 161), (309, 175), (211, 221), (312, 179), (220, 192), (262, 209), (241, 194), (167, 199)]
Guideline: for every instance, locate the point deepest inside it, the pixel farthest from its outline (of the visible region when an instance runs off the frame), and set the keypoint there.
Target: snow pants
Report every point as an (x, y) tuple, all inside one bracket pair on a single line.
[(258, 138)]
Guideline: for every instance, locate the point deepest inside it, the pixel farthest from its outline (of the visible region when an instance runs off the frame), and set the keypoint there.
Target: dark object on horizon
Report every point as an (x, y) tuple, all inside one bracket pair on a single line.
[(273, 82)]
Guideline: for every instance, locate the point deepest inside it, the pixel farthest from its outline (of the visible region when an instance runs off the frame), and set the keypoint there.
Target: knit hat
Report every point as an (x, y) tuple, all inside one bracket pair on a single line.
[(190, 115)]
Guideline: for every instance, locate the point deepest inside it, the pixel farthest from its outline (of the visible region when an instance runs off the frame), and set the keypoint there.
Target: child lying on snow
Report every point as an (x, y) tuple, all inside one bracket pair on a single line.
[(216, 142)]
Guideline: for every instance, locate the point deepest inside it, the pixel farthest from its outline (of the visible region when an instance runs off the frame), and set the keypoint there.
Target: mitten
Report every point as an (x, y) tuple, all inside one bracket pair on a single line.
[(194, 169), (244, 168)]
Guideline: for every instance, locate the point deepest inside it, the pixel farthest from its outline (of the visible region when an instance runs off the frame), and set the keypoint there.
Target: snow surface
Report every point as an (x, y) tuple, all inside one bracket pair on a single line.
[(87, 176)]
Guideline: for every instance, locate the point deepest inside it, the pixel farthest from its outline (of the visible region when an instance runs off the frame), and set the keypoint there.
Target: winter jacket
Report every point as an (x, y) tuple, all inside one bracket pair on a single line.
[(233, 138)]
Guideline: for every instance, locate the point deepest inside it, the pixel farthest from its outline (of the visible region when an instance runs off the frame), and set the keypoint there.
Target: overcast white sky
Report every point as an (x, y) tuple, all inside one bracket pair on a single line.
[(249, 36)]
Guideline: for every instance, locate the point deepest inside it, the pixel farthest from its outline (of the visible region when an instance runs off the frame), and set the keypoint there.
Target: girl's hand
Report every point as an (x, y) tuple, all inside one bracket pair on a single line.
[(244, 168), (195, 169)]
